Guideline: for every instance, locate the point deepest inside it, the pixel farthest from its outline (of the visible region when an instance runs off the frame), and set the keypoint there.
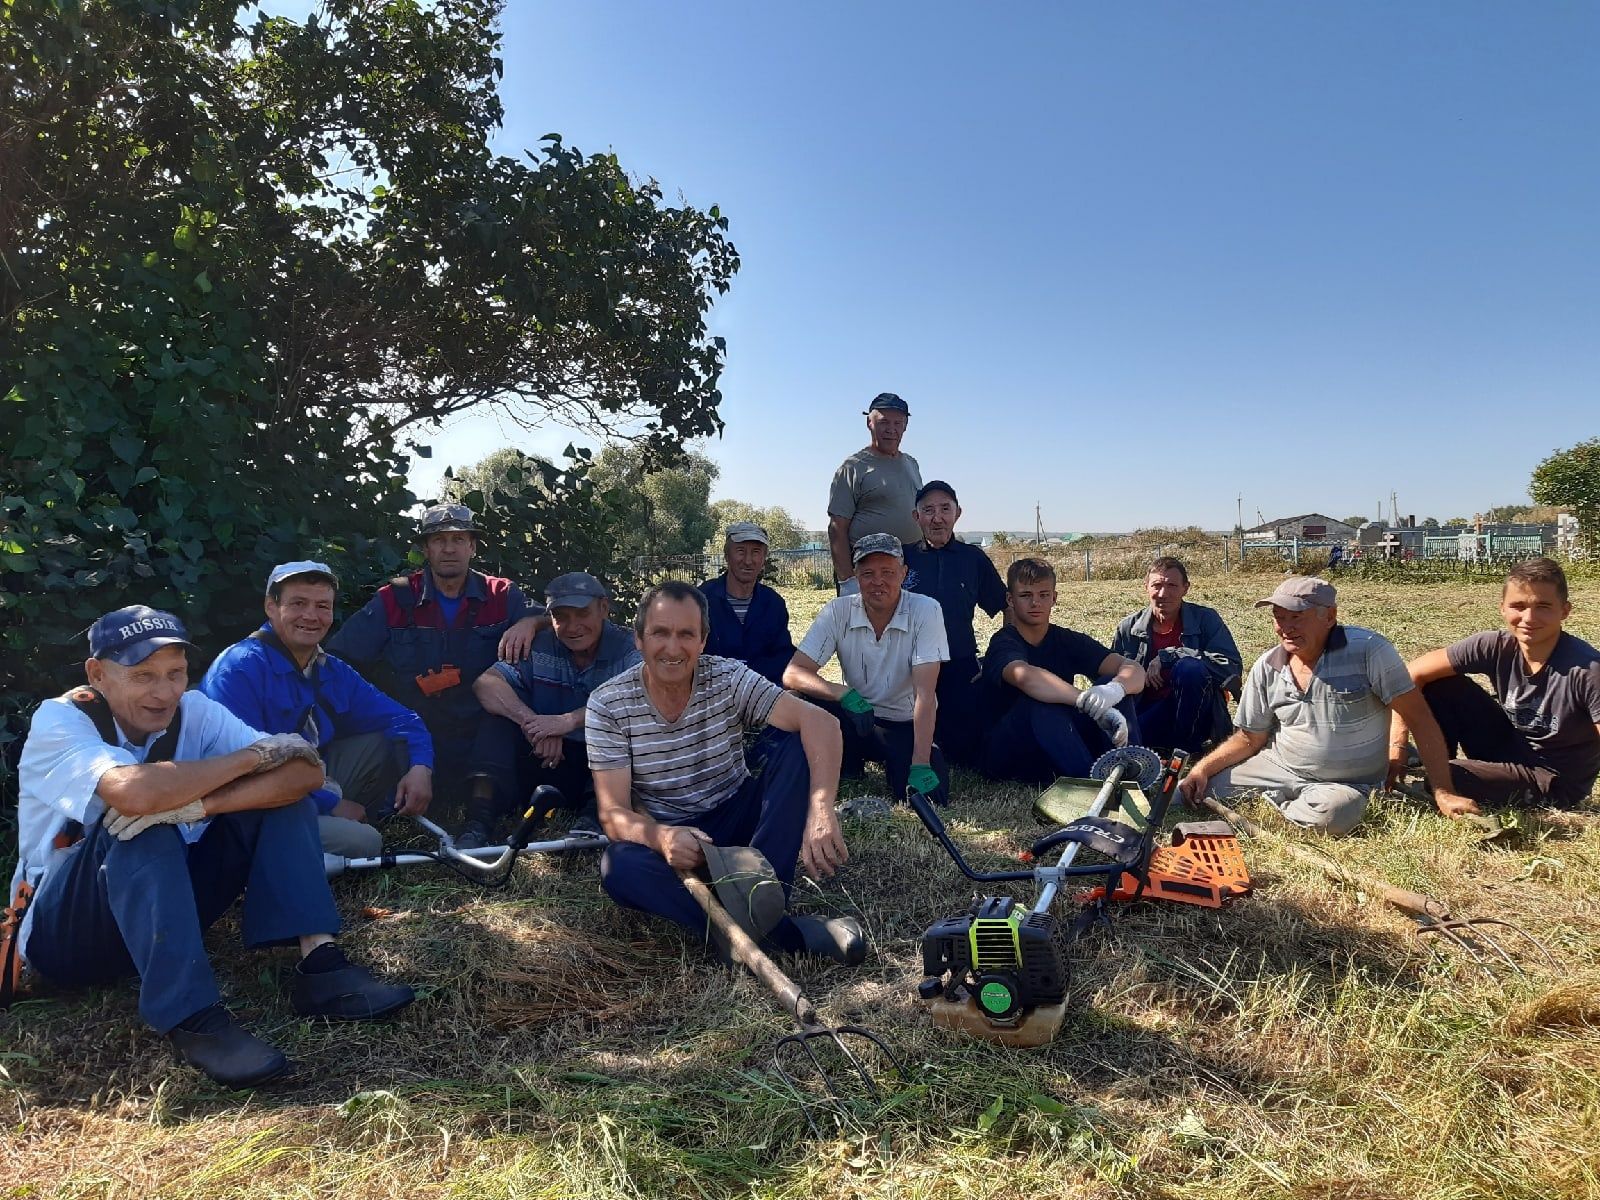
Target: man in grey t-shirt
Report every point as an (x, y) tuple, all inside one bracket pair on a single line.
[(1536, 738), (1313, 720), (875, 489)]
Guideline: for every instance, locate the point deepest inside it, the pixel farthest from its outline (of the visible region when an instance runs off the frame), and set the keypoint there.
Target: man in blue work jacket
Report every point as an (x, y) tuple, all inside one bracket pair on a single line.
[(280, 680), (145, 812), (962, 578), (749, 620), (427, 636)]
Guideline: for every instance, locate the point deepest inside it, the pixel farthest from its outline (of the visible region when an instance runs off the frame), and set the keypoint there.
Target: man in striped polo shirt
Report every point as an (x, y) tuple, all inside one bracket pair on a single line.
[(1313, 719), (666, 744)]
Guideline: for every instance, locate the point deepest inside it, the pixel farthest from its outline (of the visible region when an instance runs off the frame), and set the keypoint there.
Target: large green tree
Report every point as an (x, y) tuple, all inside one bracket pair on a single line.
[(655, 505), (782, 528), (1570, 479), (245, 261)]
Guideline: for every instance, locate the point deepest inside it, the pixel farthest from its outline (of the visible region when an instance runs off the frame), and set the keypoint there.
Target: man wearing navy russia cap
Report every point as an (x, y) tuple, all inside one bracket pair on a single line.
[(962, 578), (532, 731), (874, 490), (281, 680), (145, 811)]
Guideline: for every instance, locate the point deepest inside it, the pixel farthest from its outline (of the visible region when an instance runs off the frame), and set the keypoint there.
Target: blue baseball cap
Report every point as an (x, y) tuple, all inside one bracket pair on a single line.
[(283, 572), (131, 635), (888, 402), (577, 589)]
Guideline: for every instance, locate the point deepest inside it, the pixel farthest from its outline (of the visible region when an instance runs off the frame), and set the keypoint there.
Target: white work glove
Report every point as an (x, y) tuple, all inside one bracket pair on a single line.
[(123, 827), (1102, 698), (278, 749)]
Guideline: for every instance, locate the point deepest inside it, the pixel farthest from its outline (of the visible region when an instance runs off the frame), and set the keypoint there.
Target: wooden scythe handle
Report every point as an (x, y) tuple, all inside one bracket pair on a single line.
[(751, 955)]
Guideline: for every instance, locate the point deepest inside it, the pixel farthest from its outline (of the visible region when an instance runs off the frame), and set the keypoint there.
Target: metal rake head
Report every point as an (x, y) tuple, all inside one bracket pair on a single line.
[(803, 1070), (1473, 937)]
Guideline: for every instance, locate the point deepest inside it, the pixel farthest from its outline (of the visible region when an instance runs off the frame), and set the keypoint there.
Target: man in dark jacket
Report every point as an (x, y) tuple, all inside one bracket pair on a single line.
[(425, 637), (962, 579), (1189, 660), (749, 620)]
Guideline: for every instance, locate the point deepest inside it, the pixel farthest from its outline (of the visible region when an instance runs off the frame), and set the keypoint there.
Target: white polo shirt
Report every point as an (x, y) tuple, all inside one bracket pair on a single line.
[(879, 667)]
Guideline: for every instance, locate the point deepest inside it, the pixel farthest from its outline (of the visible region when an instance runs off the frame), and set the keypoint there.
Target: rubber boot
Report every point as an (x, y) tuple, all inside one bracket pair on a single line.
[(483, 814)]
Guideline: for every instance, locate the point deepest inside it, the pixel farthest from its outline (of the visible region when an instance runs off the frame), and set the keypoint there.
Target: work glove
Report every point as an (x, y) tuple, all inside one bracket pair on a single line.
[(1095, 702), (857, 711), (922, 778), (123, 827), (1115, 726), (278, 749)]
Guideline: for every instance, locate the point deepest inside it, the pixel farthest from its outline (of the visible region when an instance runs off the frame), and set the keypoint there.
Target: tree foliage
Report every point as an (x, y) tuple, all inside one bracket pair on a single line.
[(654, 505), (783, 530), (245, 261), (1570, 479)]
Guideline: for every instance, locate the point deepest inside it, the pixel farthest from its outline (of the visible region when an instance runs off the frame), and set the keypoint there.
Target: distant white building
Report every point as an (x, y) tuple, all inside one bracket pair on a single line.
[(1307, 527)]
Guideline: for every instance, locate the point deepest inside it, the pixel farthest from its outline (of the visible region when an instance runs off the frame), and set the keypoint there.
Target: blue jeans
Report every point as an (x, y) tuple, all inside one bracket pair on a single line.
[(768, 812), (112, 909), (1182, 715)]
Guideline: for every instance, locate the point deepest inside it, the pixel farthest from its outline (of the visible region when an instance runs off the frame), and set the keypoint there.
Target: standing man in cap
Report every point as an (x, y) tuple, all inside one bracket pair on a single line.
[(1313, 721), (145, 811), (890, 644), (962, 578), (1536, 736), (666, 741), (1189, 658), (874, 490), (427, 636), (532, 731), (749, 620), (280, 680)]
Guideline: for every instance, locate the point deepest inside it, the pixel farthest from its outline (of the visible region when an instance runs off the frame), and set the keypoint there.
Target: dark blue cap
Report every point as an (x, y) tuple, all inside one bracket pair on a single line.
[(888, 402), (131, 635)]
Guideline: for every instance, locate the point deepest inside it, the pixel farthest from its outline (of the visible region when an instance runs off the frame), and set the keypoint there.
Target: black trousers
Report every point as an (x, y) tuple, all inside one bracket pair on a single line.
[(1497, 764)]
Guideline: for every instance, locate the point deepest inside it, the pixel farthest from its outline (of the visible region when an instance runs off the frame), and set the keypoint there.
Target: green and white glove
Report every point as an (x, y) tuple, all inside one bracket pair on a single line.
[(922, 778), (123, 827)]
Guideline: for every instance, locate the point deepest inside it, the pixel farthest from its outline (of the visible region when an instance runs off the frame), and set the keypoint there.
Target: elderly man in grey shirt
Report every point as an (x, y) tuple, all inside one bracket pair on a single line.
[(874, 490), (1313, 720)]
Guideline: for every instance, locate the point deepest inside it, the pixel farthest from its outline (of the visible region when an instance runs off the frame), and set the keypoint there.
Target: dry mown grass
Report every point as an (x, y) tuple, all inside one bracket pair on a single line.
[(1300, 1043)]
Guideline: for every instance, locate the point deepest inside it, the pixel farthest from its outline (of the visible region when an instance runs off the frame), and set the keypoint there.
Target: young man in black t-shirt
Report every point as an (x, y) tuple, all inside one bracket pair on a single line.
[(1040, 724), (1536, 739)]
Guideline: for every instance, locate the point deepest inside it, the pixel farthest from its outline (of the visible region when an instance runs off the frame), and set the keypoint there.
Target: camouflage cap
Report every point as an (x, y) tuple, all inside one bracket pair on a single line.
[(877, 543)]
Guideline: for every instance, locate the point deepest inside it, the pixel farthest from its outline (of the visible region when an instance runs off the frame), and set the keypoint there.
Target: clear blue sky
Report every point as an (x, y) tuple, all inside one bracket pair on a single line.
[(1125, 260)]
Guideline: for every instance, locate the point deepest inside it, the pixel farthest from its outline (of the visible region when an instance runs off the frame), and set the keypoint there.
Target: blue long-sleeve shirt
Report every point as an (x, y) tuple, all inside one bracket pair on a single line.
[(761, 641), (262, 686), (962, 578)]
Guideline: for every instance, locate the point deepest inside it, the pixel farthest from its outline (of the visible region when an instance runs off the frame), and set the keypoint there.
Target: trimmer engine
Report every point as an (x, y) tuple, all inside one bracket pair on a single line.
[(1007, 958)]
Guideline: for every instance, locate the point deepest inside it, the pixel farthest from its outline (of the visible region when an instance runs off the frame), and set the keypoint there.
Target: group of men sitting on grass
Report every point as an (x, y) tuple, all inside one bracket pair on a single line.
[(147, 808)]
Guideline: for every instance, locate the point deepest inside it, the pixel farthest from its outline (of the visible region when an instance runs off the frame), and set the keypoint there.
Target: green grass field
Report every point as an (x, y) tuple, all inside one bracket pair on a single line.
[(1299, 1043)]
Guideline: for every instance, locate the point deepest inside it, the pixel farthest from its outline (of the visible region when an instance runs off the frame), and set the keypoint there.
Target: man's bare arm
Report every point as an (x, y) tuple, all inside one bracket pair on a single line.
[(1241, 745), (924, 709), (1411, 710), (271, 789), (822, 847), (1424, 669), (839, 547), (500, 698), (678, 844), (145, 788), (1038, 684), (804, 676), (1124, 671)]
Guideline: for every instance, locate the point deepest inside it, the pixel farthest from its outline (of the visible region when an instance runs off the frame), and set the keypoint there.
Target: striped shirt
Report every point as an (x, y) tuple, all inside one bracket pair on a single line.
[(1336, 731), (685, 767)]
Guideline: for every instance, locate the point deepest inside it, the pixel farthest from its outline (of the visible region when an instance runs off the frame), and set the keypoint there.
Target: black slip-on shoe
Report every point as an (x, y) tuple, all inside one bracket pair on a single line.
[(213, 1042), (349, 993), (838, 938), (474, 835)]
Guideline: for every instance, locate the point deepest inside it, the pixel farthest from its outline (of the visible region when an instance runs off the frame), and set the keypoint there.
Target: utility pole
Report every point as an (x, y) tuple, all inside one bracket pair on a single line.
[(1038, 525), (1239, 527)]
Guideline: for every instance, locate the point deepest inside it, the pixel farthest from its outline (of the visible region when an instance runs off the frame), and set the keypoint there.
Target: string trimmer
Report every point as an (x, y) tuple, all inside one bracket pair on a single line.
[(487, 865), (1000, 970)]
